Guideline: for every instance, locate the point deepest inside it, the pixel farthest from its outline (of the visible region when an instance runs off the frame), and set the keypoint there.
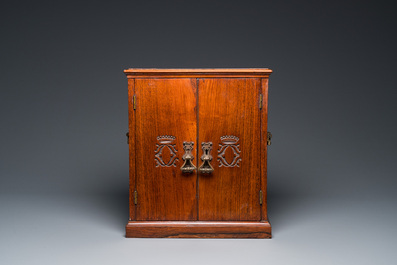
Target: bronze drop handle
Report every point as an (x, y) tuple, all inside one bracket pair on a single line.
[(206, 158), (188, 166)]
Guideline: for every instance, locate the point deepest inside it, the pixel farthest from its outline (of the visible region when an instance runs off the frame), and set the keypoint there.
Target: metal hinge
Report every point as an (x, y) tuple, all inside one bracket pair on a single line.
[(260, 197), (134, 101), (128, 137), (135, 197), (269, 138), (260, 101)]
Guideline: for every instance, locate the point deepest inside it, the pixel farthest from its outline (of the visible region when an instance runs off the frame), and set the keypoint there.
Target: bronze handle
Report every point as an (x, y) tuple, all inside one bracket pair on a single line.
[(188, 166), (206, 157)]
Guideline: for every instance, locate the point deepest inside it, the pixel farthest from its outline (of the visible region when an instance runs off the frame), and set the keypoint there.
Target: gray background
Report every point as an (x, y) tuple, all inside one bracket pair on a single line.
[(332, 112)]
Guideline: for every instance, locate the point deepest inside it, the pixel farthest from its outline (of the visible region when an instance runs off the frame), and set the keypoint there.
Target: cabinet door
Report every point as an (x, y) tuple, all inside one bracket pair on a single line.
[(165, 117), (229, 117)]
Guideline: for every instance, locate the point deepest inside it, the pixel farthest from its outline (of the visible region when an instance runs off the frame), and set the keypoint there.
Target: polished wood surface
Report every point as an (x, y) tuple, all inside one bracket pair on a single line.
[(197, 73), (263, 164), (199, 229), (221, 106), (230, 107), (132, 145), (164, 107)]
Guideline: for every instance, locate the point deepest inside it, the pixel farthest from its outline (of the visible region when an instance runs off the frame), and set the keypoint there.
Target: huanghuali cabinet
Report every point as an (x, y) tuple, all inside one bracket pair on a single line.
[(198, 153)]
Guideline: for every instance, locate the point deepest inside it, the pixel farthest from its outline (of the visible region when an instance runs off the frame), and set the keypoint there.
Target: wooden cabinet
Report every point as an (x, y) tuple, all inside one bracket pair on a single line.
[(198, 153)]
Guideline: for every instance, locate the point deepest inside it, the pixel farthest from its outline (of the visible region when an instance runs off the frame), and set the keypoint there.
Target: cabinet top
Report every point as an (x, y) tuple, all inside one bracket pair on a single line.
[(230, 72)]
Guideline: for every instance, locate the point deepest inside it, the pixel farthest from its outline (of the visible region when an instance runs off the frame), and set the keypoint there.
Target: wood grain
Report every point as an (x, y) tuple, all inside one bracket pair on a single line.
[(198, 105), (197, 73), (230, 107), (199, 229), (165, 107), (263, 164), (131, 144)]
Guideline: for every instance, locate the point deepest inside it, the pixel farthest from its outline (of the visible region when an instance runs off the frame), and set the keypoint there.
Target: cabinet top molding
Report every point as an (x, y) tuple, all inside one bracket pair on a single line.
[(230, 72)]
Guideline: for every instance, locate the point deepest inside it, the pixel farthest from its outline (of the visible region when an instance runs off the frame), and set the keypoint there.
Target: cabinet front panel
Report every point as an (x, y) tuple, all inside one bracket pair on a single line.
[(229, 118), (166, 116)]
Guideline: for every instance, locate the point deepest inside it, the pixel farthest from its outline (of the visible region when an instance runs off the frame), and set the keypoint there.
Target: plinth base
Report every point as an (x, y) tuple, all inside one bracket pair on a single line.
[(198, 229)]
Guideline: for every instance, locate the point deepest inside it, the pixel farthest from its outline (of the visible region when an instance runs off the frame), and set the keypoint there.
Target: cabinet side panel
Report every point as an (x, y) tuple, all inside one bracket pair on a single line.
[(131, 144), (165, 117), (264, 88), (229, 117)]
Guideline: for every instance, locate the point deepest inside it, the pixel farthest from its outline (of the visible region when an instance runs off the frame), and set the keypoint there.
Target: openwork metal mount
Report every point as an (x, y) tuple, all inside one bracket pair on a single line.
[(165, 141), (229, 141), (188, 166), (206, 158)]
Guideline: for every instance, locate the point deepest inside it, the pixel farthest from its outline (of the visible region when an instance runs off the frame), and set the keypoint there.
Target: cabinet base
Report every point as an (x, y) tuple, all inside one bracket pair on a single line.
[(198, 229)]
